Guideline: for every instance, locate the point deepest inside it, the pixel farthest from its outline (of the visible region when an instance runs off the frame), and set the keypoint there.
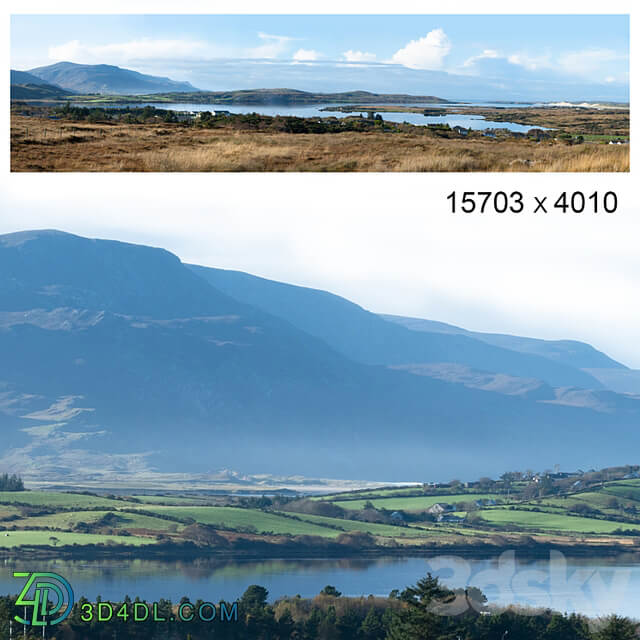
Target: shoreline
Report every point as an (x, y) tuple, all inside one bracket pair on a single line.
[(192, 551)]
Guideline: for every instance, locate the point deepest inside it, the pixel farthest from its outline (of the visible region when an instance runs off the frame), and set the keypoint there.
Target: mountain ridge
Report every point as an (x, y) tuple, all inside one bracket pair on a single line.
[(121, 353), (105, 78)]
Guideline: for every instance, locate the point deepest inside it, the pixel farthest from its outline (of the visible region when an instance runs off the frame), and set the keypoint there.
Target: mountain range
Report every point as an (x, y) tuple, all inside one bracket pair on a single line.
[(120, 357), (98, 78), (351, 82)]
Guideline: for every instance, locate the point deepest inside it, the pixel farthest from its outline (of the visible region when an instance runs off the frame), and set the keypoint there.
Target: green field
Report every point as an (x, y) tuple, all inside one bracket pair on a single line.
[(629, 491), (553, 521), (234, 517), (417, 503), (386, 530), (376, 493), (60, 500), (124, 520), (9, 539), (173, 500)]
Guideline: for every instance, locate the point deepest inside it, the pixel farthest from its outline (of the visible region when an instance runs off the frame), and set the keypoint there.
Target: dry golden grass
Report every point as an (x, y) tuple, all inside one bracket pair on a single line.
[(45, 145)]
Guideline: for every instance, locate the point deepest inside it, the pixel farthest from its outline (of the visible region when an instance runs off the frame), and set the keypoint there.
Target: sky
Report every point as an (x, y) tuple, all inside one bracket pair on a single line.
[(525, 56)]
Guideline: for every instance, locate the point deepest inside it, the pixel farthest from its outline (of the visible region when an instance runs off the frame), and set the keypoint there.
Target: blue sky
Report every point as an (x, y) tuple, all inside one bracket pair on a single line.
[(588, 56)]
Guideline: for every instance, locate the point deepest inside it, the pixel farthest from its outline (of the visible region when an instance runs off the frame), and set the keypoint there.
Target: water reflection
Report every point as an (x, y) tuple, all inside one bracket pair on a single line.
[(467, 121), (594, 586)]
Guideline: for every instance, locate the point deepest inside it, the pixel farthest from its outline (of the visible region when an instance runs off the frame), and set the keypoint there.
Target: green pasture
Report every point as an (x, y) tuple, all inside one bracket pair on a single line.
[(58, 500), (416, 503), (553, 521), (234, 518), (9, 539)]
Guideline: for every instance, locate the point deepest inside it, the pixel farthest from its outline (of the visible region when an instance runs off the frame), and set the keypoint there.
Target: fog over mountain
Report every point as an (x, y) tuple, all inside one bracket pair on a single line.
[(119, 356)]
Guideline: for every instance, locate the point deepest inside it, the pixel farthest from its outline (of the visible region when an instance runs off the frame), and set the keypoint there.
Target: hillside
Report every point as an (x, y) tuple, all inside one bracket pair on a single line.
[(569, 352), (104, 78), (118, 358), (26, 86), (23, 77)]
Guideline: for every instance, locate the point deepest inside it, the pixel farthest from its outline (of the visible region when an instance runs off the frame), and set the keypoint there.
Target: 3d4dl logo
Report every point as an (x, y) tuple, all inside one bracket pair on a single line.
[(36, 594)]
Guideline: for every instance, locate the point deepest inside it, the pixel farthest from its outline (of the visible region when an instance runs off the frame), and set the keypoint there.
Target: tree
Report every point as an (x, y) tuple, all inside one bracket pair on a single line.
[(255, 597), (11, 483), (53, 540), (572, 627), (330, 590), (372, 627), (417, 620), (617, 628), (612, 503)]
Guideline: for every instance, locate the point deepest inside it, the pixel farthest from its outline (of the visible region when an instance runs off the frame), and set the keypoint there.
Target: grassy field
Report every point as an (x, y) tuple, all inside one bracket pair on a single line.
[(386, 530), (630, 491), (55, 499), (16, 538), (416, 503), (123, 520), (173, 500), (56, 145), (371, 493), (553, 522), (234, 517)]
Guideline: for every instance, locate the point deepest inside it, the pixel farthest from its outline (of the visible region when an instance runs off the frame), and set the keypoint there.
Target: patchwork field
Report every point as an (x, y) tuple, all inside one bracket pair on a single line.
[(600, 512)]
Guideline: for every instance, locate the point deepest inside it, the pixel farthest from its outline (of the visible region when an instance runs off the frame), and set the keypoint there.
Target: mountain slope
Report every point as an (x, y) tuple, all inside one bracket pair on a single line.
[(569, 352), (366, 337), (26, 86), (24, 77), (117, 355), (104, 78)]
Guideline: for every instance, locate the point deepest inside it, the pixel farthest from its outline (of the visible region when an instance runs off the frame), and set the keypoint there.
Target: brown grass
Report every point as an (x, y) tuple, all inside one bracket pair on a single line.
[(49, 145)]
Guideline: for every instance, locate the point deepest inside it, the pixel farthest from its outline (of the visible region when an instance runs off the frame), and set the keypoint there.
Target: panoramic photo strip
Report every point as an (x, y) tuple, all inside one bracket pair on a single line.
[(380, 93)]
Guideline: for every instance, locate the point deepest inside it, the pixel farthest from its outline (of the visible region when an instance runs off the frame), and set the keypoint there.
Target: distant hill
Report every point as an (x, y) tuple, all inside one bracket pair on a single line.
[(26, 86), (281, 97), (23, 77), (120, 357), (104, 78), (294, 96), (569, 352)]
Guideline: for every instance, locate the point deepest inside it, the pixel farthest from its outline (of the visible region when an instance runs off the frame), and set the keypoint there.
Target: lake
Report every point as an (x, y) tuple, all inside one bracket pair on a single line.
[(594, 586), (315, 111)]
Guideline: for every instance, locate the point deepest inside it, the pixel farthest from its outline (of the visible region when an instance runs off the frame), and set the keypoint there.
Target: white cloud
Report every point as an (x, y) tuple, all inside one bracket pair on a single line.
[(358, 56), (306, 54), (143, 49), (426, 53), (531, 63), (588, 61), (272, 47), (149, 49), (486, 54)]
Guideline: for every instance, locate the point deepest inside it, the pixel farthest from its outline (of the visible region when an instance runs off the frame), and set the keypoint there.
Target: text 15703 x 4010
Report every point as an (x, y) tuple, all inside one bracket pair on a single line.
[(517, 202)]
